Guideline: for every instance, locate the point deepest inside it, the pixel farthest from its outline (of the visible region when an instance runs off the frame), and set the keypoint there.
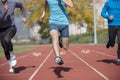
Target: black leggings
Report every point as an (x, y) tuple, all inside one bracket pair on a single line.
[(5, 37), (113, 32)]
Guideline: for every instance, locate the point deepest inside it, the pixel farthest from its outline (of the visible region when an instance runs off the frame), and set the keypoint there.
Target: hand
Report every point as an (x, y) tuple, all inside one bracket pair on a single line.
[(111, 17), (6, 7), (43, 15), (68, 2), (24, 20)]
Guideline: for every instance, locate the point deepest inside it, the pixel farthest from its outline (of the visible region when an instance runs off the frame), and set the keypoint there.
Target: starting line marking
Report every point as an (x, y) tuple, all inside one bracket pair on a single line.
[(36, 54), (101, 53), (85, 51)]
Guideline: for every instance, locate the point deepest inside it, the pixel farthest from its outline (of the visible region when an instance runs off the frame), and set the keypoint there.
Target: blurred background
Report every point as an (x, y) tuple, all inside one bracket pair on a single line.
[(87, 25)]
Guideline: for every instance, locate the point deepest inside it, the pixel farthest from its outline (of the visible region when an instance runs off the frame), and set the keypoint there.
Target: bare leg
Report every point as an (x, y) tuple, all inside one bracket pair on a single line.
[(65, 43), (54, 35)]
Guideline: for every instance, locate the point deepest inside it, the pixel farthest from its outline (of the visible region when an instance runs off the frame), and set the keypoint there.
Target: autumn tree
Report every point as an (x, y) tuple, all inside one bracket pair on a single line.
[(81, 12)]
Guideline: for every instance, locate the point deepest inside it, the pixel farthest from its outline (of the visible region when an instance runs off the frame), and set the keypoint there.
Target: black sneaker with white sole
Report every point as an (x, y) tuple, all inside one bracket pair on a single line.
[(59, 60)]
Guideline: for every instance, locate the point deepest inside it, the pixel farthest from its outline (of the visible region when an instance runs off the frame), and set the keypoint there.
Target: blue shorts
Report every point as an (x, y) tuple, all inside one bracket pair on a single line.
[(62, 29)]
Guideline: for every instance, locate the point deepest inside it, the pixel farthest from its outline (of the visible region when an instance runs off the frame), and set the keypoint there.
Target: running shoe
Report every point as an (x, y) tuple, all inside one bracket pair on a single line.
[(59, 60), (12, 61), (60, 42), (11, 69), (108, 45), (118, 63)]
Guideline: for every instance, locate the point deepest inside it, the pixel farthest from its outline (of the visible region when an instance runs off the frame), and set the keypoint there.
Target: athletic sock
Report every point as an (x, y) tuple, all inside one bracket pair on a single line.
[(12, 55), (118, 59)]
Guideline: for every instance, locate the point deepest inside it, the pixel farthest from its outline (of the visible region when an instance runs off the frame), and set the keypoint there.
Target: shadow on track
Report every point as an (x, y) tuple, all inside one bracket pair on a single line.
[(21, 68), (59, 69), (108, 61)]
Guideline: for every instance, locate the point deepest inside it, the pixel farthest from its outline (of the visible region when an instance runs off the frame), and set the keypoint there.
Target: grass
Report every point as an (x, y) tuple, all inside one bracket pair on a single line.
[(19, 48), (102, 37)]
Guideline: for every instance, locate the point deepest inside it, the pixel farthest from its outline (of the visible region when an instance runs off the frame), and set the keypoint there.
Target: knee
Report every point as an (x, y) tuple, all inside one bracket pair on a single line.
[(54, 38), (6, 41)]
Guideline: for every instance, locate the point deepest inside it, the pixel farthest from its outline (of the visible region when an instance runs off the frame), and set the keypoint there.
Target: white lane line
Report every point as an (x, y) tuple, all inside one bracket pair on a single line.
[(36, 71), (98, 72), (102, 53)]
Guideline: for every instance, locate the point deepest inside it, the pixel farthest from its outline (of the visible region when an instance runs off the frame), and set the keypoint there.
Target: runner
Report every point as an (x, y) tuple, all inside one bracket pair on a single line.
[(111, 11), (8, 29), (59, 22)]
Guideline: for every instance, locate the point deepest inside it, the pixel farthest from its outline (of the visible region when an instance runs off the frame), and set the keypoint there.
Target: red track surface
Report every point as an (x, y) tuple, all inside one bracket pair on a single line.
[(82, 62)]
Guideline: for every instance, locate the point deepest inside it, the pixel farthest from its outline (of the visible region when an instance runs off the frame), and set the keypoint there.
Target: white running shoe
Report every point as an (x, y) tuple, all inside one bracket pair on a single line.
[(12, 61), (11, 69)]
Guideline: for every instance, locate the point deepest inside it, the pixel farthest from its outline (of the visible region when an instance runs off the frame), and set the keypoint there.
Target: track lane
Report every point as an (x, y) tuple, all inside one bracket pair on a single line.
[(103, 63), (26, 65), (73, 69)]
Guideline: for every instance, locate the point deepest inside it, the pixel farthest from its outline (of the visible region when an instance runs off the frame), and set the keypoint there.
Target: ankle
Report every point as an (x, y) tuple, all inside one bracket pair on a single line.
[(11, 53), (118, 59)]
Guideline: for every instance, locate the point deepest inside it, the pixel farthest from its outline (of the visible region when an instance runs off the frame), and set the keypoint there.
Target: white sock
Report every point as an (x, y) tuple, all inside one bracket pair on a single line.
[(118, 59), (11, 53), (9, 62)]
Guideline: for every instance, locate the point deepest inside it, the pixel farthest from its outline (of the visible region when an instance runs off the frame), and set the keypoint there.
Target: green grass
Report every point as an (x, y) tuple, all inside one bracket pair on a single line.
[(19, 48), (102, 37)]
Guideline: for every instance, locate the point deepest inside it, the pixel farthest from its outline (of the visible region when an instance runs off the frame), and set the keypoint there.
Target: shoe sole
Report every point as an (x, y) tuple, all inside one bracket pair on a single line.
[(11, 70)]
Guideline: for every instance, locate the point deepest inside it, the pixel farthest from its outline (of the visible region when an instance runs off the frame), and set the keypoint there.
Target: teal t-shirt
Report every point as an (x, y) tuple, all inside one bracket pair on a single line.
[(58, 12)]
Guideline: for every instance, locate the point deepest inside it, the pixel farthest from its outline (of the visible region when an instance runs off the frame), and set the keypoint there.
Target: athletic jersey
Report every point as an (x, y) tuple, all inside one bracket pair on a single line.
[(7, 18), (58, 12), (112, 7)]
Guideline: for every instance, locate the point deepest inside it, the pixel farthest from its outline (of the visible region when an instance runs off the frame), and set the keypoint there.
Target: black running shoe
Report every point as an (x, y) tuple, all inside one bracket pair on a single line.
[(108, 45), (60, 42), (59, 60), (118, 63)]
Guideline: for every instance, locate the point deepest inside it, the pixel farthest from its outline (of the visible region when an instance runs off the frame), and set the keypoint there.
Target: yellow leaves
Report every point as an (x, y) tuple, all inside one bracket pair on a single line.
[(81, 11)]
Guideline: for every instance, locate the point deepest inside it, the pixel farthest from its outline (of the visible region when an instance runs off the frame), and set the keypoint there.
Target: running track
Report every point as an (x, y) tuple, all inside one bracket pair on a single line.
[(82, 62)]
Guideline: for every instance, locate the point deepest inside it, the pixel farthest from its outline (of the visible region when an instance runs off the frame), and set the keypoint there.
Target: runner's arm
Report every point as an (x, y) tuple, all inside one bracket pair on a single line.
[(2, 12), (104, 11), (44, 9), (68, 2), (20, 5)]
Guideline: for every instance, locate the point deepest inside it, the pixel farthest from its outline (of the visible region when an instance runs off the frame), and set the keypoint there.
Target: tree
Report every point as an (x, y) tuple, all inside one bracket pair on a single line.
[(82, 11)]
